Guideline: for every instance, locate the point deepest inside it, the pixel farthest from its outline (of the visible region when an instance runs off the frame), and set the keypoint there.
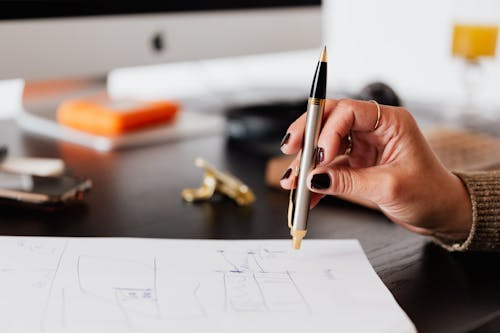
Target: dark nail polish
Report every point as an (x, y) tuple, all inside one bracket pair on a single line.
[(285, 139), (321, 181), (320, 155), (286, 174)]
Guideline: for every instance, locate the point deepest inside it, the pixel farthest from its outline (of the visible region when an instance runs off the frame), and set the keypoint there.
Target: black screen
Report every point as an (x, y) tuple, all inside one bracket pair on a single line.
[(21, 9)]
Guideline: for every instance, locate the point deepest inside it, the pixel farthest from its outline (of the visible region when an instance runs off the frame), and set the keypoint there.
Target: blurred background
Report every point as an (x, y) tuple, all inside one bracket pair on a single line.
[(439, 58), (126, 94), (437, 53)]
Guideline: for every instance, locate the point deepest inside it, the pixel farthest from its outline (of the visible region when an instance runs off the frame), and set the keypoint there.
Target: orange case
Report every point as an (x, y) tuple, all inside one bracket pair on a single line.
[(111, 119)]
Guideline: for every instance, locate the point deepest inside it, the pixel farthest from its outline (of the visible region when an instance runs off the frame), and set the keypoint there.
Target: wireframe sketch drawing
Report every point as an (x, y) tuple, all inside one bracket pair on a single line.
[(136, 285)]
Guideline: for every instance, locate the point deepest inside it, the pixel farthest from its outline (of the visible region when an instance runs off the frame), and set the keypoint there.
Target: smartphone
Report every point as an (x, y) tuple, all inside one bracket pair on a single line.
[(23, 188)]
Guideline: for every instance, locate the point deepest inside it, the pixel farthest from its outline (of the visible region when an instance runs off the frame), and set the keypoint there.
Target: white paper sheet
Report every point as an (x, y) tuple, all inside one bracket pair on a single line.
[(147, 285)]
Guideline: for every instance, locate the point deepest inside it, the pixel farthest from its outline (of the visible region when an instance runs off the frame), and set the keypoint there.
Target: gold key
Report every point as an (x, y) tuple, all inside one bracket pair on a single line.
[(221, 182)]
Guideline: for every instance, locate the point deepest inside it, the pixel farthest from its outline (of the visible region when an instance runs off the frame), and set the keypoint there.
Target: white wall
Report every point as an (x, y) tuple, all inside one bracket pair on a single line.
[(404, 43), (11, 92)]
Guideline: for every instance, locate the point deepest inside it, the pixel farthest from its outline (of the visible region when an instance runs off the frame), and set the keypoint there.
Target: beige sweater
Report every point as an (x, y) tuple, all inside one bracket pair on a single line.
[(484, 191)]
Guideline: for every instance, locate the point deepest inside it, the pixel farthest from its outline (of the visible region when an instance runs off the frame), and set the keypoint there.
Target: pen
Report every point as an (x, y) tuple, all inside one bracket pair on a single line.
[(298, 210)]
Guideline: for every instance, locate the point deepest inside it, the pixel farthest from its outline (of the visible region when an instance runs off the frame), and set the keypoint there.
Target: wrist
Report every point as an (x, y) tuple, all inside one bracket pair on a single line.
[(459, 219)]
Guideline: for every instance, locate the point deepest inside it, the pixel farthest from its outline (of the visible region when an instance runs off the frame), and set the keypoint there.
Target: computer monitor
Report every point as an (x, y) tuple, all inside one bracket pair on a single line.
[(63, 39)]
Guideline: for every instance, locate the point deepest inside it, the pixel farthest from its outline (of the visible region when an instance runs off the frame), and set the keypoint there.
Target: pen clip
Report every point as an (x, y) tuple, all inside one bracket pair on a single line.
[(291, 200)]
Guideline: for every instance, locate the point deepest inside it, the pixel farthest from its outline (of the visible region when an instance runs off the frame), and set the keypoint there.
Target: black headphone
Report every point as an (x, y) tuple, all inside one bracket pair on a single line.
[(260, 128)]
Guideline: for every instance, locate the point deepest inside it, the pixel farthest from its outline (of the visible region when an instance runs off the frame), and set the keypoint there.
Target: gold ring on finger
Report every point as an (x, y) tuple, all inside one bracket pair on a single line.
[(348, 150), (377, 123)]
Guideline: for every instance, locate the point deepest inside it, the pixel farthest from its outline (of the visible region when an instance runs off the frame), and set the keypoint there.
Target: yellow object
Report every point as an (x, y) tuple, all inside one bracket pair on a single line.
[(217, 181), (471, 41)]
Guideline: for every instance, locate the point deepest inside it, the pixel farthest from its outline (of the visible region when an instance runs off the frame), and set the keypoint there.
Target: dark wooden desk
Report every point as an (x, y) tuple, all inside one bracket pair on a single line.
[(137, 194)]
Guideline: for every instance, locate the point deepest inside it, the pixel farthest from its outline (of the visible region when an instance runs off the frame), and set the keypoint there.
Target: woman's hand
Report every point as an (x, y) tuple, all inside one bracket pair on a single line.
[(390, 167)]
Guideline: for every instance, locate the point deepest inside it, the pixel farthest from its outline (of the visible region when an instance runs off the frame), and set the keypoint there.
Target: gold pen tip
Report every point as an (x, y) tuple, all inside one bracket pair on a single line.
[(323, 57), (296, 243), (297, 235)]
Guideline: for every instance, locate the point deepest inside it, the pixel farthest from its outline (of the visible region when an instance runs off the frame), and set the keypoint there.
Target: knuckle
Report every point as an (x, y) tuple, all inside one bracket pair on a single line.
[(345, 104), (399, 120), (330, 103), (405, 116)]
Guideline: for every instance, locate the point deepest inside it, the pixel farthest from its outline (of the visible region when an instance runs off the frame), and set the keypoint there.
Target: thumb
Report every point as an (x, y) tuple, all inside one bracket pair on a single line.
[(346, 181)]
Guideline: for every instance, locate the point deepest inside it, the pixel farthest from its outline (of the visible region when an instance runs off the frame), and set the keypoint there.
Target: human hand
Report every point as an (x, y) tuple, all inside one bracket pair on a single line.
[(390, 167)]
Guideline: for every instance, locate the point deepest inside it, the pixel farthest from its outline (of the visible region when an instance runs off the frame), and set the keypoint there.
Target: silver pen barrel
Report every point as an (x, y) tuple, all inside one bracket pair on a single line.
[(299, 205), (315, 109)]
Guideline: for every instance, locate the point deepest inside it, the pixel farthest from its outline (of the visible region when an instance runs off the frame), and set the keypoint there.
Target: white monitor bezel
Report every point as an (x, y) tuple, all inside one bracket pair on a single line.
[(44, 49)]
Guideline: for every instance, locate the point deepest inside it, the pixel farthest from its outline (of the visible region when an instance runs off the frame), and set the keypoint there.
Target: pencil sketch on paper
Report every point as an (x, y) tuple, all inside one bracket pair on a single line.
[(108, 285), (126, 292), (28, 267), (250, 286), (122, 292), (28, 264), (116, 290)]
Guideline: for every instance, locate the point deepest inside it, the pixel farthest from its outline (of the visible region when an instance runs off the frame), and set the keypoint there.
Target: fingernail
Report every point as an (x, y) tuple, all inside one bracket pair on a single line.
[(285, 139), (286, 174), (320, 181), (320, 155)]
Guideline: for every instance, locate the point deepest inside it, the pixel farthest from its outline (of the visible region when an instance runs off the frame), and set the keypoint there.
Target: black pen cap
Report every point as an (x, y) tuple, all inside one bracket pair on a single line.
[(318, 89)]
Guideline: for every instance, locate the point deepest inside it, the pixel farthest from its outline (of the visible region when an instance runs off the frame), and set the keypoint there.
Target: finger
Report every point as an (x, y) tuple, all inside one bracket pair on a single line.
[(289, 181), (345, 144), (348, 115), (289, 177), (315, 199), (345, 161), (292, 141), (339, 180), (275, 168), (363, 153)]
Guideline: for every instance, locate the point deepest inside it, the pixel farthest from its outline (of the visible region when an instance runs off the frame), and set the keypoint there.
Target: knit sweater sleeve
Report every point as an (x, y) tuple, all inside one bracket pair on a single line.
[(484, 192)]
